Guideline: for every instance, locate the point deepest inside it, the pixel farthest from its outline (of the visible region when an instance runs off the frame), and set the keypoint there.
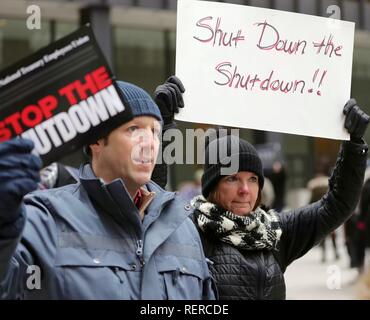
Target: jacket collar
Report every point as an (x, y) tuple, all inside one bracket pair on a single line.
[(145, 197), (115, 199)]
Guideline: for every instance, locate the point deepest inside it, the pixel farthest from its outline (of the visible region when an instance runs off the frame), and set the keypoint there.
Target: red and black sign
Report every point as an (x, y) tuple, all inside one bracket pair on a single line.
[(61, 97)]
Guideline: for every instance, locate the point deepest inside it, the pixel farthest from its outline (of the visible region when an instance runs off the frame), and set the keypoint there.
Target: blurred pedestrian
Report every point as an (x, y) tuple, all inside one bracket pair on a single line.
[(319, 186), (191, 189), (277, 176), (268, 194)]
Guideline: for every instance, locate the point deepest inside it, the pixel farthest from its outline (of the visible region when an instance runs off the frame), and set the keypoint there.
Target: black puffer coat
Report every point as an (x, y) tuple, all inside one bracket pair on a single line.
[(260, 274), (364, 216)]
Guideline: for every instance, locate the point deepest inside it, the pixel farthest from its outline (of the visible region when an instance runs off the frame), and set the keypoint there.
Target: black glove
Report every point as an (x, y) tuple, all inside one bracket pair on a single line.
[(168, 97), (19, 175), (356, 120)]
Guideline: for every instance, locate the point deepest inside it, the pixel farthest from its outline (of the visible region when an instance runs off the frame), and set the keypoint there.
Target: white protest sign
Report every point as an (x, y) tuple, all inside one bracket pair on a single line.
[(263, 69)]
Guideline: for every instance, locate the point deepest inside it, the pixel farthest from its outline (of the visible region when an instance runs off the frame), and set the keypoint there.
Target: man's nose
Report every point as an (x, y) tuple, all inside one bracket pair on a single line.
[(147, 144), (147, 139)]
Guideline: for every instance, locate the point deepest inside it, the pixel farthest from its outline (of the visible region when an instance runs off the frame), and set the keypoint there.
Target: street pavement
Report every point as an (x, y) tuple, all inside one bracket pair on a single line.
[(309, 279)]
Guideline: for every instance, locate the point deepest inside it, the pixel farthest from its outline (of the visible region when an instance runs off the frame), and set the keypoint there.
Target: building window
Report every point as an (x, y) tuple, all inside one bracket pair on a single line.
[(139, 57), (17, 42)]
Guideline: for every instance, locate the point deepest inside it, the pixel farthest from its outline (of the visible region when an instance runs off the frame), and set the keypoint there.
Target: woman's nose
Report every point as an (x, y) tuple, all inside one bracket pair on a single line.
[(244, 188)]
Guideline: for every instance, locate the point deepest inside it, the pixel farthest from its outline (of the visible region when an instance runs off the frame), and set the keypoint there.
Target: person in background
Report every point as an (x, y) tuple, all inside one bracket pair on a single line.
[(277, 176), (189, 190), (268, 194), (319, 186)]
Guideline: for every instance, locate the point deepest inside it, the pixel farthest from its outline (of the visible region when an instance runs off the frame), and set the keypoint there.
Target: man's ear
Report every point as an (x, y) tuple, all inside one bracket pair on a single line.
[(96, 147)]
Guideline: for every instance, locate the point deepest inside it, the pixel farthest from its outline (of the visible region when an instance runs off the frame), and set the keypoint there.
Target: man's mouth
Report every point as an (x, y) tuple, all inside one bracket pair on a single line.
[(143, 161)]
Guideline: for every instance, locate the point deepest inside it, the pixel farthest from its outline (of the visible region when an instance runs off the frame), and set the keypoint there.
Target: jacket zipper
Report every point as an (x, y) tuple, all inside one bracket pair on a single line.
[(261, 277), (139, 251)]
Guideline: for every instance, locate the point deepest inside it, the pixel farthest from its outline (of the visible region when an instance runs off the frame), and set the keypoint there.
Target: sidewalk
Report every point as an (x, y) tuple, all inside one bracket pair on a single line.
[(307, 278)]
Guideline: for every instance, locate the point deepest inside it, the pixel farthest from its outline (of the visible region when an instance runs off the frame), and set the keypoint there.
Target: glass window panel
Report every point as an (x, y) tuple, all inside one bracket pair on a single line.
[(139, 57), (17, 42), (287, 5), (62, 29), (156, 4)]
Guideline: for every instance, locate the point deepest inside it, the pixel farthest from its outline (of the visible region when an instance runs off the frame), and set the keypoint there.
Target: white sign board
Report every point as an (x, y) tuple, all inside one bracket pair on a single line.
[(263, 69)]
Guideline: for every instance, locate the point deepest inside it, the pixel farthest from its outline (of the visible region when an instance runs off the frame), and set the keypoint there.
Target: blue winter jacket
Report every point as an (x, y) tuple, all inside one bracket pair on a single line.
[(88, 241)]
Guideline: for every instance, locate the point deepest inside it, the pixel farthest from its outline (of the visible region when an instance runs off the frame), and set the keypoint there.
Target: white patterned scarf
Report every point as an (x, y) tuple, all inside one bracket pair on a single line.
[(257, 230)]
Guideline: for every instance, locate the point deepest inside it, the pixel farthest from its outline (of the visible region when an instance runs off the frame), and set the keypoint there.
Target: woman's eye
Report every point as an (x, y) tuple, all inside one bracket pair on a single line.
[(253, 179), (231, 179)]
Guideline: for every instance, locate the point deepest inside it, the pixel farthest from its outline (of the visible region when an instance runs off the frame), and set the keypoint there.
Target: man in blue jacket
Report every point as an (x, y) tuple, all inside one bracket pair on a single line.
[(113, 235)]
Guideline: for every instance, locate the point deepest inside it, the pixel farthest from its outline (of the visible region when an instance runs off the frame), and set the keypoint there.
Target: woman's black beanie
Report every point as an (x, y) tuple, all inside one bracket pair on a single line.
[(232, 147)]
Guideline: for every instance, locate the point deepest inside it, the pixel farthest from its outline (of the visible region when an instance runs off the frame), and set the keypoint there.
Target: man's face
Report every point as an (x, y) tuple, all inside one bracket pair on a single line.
[(129, 152)]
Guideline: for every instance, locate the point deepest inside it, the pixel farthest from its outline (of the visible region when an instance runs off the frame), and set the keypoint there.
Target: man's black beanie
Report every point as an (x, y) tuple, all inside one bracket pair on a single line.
[(232, 147)]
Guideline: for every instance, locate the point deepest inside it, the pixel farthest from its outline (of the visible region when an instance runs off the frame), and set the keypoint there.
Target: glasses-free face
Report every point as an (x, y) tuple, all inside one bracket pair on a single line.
[(237, 193), (129, 152)]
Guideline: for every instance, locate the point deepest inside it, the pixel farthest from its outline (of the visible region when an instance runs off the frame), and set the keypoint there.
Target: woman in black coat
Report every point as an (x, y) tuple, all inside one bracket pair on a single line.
[(250, 248)]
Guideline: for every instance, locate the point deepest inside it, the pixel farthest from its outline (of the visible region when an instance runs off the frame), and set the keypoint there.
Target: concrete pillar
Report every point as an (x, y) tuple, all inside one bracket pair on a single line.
[(98, 17)]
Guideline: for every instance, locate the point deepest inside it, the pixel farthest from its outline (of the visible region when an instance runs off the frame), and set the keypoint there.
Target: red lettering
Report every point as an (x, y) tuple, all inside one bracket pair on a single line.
[(67, 91), (82, 88), (287, 46), (276, 33), (47, 104), (219, 37), (13, 120), (101, 78), (220, 68), (206, 26), (31, 116), (319, 45), (338, 49), (329, 46), (254, 82), (5, 133), (94, 81)]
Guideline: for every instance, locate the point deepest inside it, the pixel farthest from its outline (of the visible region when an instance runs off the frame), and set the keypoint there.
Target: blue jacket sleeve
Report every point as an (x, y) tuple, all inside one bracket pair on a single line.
[(32, 245), (10, 267)]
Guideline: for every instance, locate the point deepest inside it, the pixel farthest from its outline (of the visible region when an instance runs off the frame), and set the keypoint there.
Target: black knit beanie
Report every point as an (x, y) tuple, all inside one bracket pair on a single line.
[(229, 147)]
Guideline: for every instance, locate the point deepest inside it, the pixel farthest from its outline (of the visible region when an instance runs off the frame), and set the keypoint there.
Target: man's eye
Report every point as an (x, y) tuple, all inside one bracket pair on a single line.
[(156, 132), (253, 179), (133, 128)]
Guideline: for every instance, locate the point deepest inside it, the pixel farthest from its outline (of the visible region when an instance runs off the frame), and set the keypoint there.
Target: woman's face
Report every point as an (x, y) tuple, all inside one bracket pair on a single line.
[(237, 193)]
